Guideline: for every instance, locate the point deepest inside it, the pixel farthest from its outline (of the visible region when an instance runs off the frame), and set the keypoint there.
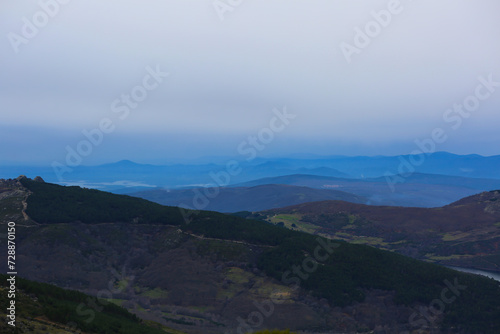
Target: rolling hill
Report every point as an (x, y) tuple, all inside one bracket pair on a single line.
[(465, 233), (233, 199), (416, 190), (206, 272)]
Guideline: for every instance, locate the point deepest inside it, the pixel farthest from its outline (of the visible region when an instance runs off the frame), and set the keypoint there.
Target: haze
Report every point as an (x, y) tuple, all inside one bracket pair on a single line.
[(227, 76)]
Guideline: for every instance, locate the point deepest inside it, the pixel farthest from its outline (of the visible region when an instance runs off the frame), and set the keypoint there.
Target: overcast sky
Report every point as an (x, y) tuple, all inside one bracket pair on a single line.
[(230, 65)]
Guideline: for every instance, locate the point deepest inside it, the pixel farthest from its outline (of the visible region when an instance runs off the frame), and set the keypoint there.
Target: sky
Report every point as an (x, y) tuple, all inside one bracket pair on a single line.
[(162, 81)]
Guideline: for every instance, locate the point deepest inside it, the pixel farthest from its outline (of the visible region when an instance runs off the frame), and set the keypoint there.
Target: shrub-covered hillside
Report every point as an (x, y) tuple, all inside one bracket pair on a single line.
[(342, 277), (43, 307)]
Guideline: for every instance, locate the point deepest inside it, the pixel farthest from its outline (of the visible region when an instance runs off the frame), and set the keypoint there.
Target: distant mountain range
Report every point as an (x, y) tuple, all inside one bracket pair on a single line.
[(114, 175), (419, 190), (439, 179), (318, 181), (257, 198)]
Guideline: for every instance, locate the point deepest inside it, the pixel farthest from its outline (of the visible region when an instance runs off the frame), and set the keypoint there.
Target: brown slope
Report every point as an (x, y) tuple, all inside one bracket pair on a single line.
[(465, 233), (192, 283)]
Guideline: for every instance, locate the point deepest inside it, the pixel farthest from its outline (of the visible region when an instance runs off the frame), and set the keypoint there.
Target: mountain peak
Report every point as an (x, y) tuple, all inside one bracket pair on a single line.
[(126, 162), (39, 179), (121, 163)]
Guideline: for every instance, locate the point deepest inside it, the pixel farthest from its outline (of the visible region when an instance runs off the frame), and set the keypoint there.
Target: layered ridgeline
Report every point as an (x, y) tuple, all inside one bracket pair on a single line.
[(415, 190), (233, 199), (206, 272)]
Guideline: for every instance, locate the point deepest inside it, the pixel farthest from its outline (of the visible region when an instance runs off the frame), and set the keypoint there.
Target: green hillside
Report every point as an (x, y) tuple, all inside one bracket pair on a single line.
[(51, 203), (343, 275), (45, 308)]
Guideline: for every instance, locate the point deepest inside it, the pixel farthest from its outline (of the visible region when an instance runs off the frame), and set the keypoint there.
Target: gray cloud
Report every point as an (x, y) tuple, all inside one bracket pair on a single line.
[(226, 76)]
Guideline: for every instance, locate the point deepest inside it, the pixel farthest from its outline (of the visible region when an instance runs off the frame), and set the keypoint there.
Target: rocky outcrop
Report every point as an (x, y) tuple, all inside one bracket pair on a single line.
[(13, 196), (38, 179)]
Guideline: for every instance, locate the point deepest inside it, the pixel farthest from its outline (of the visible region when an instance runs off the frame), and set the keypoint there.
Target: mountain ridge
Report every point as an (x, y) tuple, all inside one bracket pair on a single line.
[(465, 233), (190, 173), (233, 199), (203, 284)]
